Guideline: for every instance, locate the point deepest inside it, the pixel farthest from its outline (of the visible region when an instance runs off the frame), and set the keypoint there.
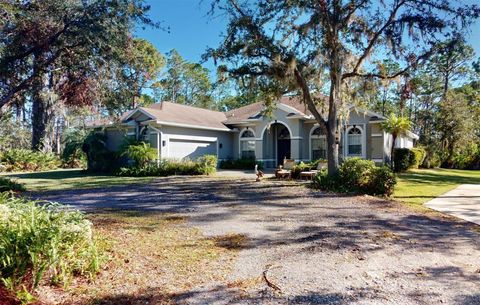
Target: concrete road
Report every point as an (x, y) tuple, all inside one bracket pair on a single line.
[(462, 202)]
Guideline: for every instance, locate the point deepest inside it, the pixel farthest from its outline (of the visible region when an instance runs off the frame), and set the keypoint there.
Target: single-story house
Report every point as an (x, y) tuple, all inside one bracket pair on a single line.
[(178, 131)]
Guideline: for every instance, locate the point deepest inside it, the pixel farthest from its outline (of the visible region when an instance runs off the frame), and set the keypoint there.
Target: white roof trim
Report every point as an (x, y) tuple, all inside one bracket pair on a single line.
[(370, 113), (288, 109), (142, 111)]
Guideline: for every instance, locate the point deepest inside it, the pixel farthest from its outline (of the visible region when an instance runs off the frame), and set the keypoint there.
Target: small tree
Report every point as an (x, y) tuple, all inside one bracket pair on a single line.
[(140, 153), (396, 126)]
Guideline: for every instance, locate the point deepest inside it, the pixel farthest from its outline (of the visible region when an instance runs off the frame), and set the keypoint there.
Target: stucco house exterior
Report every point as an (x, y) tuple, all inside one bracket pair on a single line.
[(178, 131)]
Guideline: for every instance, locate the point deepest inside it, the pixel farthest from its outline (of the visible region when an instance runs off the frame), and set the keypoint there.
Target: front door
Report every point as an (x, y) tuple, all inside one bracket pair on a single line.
[(283, 150)]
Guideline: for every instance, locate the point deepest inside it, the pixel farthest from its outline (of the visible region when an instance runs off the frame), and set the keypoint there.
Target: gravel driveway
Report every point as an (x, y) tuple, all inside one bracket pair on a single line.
[(311, 247)]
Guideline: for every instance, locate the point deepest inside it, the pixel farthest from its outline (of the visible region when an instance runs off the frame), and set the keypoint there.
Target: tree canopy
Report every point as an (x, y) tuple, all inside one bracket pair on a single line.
[(288, 45)]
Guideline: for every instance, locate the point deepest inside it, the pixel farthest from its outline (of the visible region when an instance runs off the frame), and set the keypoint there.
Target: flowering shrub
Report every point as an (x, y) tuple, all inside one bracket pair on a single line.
[(43, 242)]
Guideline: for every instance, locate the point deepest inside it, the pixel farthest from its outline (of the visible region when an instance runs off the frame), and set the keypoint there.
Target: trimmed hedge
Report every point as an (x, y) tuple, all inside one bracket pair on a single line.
[(356, 175), (406, 158), (248, 164)]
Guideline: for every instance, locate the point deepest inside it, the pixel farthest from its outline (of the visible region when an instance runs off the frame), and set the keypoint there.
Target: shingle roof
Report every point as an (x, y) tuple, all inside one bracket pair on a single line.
[(243, 113), (168, 112)]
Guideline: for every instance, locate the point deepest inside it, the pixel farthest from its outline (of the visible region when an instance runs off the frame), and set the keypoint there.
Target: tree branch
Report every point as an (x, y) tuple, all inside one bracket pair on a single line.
[(377, 34), (307, 97)]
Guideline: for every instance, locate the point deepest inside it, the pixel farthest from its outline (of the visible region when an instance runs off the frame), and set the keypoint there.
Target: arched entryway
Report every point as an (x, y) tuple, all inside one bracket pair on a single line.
[(276, 144)]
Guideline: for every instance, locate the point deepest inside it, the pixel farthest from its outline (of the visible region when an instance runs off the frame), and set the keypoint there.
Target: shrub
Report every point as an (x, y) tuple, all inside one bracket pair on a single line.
[(403, 160), (43, 242), (99, 158), (297, 169), (419, 156), (141, 153), (431, 160), (205, 165), (468, 158), (27, 160), (72, 155), (355, 172), (358, 176), (382, 181), (7, 185), (245, 163)]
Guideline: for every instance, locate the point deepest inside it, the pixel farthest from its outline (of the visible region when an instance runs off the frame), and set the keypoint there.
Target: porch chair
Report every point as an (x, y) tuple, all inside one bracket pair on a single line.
[(308, 175), (285, 171)]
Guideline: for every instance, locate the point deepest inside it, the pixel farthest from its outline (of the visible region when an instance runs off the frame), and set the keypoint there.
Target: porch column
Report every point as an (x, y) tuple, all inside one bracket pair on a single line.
[(159, 147)]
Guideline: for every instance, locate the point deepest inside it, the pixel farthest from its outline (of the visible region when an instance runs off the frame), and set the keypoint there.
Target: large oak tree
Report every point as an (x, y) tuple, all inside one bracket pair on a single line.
[(289, 44), (53, 51)]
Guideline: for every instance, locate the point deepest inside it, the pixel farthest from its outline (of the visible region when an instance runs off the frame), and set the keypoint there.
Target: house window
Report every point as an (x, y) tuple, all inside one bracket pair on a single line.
[(319, 144), (354, 142), (247, 144), (145, 135)]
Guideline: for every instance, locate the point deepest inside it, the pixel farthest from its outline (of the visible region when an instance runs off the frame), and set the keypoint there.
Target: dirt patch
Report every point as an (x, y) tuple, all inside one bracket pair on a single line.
[(151, 258)]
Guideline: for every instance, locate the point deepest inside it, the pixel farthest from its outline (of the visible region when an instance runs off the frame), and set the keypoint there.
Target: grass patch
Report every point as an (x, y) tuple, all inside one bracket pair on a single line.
[(65, 179), (419, 186), (153, 258)]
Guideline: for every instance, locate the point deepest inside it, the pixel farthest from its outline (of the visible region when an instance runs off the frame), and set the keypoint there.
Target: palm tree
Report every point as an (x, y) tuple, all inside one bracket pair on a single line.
[(396, 126)]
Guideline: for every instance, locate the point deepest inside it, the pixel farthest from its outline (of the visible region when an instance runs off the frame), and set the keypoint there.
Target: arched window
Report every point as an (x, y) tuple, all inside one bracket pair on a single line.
[(248, 134), (318, 144), (354, 142), (247, 144)]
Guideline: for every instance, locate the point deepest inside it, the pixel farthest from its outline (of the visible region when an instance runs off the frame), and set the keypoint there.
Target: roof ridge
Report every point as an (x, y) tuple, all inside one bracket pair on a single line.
[(182, 105)]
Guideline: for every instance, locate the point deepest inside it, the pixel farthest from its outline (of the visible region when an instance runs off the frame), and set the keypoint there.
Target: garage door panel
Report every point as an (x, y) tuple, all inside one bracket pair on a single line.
[(180, 149)]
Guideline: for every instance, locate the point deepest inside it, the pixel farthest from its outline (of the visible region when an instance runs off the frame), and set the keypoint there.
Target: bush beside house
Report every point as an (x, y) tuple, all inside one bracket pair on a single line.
[(205, 165), (244, 163), (405, 158), (356, 175)]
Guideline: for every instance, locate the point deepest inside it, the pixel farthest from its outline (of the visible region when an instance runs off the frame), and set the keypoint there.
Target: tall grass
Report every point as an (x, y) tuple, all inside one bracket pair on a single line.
[(43, 242)]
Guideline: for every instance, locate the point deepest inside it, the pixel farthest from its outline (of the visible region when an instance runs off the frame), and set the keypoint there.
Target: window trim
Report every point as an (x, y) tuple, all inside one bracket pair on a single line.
[(362, 141), (240, 140), (311, 137)]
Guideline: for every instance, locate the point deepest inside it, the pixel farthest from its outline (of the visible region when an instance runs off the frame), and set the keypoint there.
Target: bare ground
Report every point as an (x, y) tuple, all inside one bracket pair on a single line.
[(307, 247)]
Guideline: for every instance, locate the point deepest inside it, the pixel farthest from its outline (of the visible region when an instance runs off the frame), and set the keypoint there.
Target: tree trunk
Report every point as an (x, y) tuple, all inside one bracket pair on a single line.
[(333, 134), (332, 129), (39, 114)]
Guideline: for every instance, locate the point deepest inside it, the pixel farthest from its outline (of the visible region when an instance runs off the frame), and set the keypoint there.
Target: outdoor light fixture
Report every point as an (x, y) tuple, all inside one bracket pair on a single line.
[(164, 143), (220, 145)]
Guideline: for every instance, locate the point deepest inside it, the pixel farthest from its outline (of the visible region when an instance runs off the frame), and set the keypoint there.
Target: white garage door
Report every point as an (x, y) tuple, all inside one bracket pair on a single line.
[(179, 149)]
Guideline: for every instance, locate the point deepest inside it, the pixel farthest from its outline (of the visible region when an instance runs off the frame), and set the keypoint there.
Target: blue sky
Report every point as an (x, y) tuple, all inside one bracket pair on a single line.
[(192, 31)]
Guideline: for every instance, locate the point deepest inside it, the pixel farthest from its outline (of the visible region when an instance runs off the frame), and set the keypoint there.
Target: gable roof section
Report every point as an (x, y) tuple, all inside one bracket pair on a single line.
[(290, 104), (174, 114)]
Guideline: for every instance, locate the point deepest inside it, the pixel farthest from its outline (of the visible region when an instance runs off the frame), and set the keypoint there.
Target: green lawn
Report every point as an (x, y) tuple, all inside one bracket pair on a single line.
[(70, 179), (419, 186)]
